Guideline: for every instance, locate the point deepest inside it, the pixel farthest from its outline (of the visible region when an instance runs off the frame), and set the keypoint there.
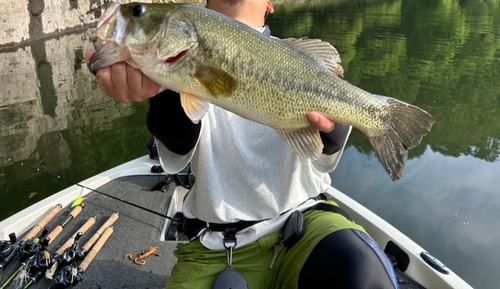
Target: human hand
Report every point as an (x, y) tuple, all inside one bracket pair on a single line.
[(320, 121), (125, 83)]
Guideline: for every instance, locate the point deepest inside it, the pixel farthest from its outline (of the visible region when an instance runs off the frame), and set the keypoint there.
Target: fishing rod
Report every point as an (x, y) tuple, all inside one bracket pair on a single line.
[(68, 271), (67, 252), (41, 261), (85, 187), (28, 249), (75, 253), (71, 275), (90, 243), (19, 274), (9, 249)]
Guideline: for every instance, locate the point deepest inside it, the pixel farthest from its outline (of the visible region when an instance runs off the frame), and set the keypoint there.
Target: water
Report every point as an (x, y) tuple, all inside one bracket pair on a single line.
[(440, 55)]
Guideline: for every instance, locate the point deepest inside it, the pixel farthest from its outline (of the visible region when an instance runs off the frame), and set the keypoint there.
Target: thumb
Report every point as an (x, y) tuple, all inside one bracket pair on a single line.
[(89, 54)]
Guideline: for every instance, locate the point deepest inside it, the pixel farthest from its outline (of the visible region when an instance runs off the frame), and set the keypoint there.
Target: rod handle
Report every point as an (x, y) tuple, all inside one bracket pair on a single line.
[(110, 221), (38, 227), (57, 230), (97, 247), (83, 229)]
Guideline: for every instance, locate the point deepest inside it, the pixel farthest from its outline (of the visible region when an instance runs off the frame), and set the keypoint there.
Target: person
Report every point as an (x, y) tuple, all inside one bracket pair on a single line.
[(248, 184)]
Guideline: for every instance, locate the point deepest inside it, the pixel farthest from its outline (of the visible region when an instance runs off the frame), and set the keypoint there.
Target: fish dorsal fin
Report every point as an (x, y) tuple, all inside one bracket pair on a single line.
[(215, 81), (194, 107), (305, 142), (322, 51)]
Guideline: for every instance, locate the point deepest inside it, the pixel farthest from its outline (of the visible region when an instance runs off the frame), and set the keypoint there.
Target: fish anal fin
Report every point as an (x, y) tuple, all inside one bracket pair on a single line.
[(215, 81), (405, 129), (323, 51), (306, 142), (194, 107)]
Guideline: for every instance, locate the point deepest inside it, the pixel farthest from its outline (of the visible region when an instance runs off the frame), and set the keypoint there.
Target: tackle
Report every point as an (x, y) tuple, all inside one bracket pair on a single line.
[(139, 260)]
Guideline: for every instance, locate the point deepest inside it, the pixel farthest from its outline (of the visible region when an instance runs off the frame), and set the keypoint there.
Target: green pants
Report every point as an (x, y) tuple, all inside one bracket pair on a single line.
[(198, 266)]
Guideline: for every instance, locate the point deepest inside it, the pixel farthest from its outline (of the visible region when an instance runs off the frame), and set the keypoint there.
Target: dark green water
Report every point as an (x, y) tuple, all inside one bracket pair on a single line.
[(443, 56)]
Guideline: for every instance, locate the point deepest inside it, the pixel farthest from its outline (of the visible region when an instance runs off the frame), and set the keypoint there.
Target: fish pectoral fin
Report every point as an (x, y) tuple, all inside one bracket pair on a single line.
[(323, 51), (214, 80), (194, 107), (305, 142)]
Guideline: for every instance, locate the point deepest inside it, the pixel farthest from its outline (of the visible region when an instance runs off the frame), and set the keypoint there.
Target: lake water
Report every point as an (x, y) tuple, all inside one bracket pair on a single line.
[(443, 56)]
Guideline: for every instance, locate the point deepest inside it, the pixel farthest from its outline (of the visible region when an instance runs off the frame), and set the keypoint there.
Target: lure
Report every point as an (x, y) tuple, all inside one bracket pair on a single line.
[(139, 260), (77, 202)]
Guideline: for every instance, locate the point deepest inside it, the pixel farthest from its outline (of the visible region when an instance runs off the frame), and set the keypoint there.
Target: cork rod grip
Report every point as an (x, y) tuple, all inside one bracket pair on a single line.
[(57, 230), (97, 247), (83, 229), (110, 221), (38, 227)]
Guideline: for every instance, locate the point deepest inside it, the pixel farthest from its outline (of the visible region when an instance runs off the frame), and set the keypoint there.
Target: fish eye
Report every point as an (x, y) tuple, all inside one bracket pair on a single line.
[(137, 10)]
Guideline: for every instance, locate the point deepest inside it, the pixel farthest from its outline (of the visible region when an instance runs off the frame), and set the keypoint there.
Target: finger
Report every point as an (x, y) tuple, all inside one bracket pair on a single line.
[(321, 122), (150, 87), (120, 88), (135, 84), (89, 54), (104, 78)]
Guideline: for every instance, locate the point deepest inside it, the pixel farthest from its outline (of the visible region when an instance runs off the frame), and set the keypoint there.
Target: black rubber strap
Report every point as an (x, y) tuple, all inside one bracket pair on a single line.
[(330, 208), (191, 227)]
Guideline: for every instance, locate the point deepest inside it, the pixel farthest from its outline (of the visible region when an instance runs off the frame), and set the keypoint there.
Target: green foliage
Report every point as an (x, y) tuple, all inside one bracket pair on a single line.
[(442, 56)]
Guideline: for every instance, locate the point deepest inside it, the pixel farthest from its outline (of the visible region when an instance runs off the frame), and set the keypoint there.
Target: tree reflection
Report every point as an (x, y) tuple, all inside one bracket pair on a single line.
[(442, 56)]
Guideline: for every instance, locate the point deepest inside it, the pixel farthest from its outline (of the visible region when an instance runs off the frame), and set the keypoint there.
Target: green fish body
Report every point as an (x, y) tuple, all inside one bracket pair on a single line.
[(210, 58)]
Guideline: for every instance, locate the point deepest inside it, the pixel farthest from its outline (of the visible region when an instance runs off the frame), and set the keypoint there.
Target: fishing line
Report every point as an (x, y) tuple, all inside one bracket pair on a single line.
[(85, 187)]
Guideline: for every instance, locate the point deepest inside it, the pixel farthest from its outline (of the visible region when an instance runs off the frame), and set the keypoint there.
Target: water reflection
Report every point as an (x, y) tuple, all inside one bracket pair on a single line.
[(442, 56), (439, 55), (54, 116), (447, 205)]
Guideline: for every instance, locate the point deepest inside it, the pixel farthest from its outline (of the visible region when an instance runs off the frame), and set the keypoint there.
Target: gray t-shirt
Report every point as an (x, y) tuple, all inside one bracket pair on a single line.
[(245, 171)]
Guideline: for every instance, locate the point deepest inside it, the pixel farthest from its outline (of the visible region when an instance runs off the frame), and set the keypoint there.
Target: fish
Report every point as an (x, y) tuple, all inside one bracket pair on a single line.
[(208, 57)]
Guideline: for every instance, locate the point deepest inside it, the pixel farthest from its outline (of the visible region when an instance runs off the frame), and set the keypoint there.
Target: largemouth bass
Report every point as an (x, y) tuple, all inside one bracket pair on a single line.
[(209, 57)]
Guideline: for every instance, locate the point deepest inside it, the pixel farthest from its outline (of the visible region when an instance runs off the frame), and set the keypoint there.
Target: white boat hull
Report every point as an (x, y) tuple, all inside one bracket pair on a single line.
[(381, 231)]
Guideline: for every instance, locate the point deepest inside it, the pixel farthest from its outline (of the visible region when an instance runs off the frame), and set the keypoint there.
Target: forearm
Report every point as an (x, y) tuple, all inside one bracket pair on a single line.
[(334, 141), (167, 121)]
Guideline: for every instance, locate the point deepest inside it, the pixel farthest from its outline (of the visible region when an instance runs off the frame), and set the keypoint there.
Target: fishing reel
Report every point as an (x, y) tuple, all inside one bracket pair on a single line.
[(37, 265), (31, 247), (69, 276), (8, 249), (69, 256), (72, 254)]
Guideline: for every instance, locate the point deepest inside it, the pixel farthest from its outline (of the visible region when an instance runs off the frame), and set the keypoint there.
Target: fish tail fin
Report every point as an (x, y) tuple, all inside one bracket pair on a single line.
[(405, 129)]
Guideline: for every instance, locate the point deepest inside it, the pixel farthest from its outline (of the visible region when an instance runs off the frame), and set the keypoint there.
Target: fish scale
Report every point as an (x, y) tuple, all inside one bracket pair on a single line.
[(218, 60)]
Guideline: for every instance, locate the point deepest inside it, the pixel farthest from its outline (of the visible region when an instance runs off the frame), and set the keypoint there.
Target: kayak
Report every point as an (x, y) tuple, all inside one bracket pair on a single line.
[(135, 249)]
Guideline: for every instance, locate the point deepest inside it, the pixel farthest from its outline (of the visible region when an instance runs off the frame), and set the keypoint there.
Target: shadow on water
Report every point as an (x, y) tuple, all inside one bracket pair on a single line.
[(442, 56)]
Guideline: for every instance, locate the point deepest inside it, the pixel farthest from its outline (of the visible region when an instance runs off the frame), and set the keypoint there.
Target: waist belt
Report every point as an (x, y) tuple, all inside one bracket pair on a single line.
[(192, 227)]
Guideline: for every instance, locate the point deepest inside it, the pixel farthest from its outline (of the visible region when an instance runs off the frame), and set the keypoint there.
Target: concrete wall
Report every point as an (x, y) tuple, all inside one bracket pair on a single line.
[(28, 20), (45, 86)]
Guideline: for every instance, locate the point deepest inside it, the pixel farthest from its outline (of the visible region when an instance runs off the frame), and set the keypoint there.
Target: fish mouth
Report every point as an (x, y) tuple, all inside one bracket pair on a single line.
[(111, 30), (173, 59)]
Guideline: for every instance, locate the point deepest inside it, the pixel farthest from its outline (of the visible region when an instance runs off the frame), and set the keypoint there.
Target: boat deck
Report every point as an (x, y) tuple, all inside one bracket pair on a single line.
[(134, 231), (138, 230)]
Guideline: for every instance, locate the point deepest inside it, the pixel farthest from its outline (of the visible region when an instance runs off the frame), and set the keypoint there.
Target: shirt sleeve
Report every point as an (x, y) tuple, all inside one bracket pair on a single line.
[(171, 162), (328, 162), (175, 133)]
